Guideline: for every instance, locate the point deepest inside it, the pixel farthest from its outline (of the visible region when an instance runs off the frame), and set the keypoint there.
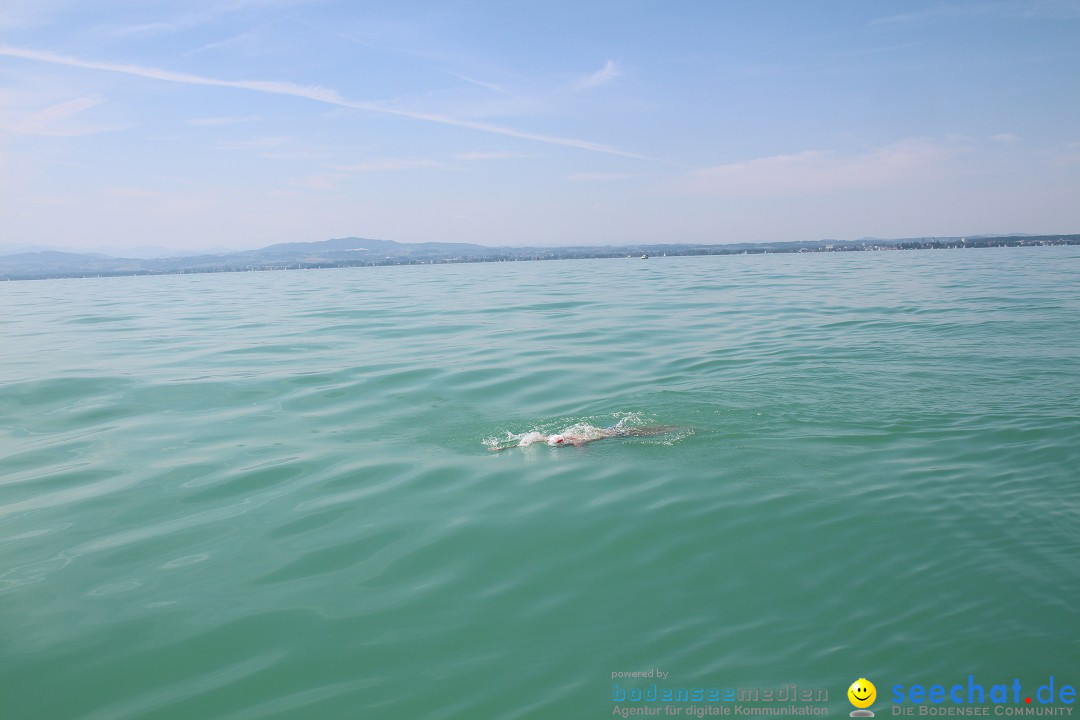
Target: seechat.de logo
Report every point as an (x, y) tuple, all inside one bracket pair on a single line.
[(862, 694)]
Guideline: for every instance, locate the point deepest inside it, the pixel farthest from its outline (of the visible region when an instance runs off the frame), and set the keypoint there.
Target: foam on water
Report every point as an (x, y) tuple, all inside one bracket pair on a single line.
[(585, 428)]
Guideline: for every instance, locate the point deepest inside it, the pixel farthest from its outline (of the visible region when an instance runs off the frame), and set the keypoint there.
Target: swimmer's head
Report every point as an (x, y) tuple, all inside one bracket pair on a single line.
[(556, 440)]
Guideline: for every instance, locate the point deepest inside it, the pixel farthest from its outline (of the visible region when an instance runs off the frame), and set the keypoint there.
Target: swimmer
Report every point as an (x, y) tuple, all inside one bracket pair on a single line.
[(580, 435)]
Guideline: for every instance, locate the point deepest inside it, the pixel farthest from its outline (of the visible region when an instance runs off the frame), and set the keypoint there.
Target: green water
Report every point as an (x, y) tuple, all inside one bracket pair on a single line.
[(267, 495)]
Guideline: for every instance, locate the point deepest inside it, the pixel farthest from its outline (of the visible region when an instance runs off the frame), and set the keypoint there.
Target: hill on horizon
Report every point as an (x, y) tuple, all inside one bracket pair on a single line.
[(353, 251)]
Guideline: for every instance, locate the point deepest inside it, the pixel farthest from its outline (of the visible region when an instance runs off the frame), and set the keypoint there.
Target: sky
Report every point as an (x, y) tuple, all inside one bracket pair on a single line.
[(242, 123)]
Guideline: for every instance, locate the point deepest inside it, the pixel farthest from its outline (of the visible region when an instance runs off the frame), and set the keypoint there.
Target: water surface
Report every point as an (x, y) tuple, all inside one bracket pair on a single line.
[(267, 495)]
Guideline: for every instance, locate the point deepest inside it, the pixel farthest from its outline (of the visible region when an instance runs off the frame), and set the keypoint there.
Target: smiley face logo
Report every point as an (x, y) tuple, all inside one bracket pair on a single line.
[(862, 693)]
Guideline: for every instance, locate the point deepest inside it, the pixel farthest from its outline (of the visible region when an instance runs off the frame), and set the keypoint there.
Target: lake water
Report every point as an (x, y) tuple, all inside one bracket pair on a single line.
[(268, 495)]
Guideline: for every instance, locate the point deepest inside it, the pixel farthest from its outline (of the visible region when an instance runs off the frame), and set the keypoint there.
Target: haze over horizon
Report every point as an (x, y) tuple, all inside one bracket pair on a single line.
[(254, 122)]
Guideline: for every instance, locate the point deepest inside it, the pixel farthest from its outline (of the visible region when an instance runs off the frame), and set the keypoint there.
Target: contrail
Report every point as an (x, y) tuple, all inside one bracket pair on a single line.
[(307, 92)]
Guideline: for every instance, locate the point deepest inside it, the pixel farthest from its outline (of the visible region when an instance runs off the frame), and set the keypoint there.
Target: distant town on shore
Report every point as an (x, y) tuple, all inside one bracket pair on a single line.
[(362, 252)]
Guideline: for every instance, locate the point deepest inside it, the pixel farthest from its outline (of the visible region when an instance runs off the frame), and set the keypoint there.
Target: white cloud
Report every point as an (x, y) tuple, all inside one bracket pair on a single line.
[(62, 119), (62, 111), (814, 172), (248, 39), (1004, 137), (309, 92), (151, 28), (601, 77), (479, 83)]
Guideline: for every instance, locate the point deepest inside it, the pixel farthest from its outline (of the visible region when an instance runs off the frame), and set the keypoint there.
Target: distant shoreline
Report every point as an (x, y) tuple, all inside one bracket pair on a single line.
[(328, 254)]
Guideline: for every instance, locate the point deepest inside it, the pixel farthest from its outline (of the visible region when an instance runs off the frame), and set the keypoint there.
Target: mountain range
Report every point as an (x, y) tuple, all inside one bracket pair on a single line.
[(354, 251)]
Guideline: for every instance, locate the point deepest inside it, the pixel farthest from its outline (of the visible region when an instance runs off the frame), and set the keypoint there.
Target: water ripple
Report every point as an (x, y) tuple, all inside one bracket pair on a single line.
[(268, 494)]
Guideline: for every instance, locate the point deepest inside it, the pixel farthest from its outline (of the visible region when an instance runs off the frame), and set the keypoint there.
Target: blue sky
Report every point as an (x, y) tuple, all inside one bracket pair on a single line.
[(241, 123)]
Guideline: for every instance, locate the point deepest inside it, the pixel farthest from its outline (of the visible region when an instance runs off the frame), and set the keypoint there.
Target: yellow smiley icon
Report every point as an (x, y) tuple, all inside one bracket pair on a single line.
[(862, 693)]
